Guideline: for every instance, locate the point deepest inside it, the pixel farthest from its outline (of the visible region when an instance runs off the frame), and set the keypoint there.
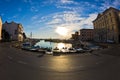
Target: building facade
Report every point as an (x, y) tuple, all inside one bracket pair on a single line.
[(14, 30), (86, 34), (0, 28), (75, 36), (107, 26)]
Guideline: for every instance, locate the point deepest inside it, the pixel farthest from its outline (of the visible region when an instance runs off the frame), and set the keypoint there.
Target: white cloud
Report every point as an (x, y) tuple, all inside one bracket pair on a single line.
[(65, 17), (34, 6), (72, 21), (110, 3), (34, 9), (55, 21), (68, 2), (35, 17), (28, 1), (116, 3)]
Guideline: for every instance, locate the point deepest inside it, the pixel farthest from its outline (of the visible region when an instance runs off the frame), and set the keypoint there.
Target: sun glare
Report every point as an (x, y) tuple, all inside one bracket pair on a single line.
[(61, 45), (62, 31)]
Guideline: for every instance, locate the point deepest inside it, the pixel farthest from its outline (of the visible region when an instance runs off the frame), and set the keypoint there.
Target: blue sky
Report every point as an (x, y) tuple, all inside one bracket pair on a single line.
[(43, 17)]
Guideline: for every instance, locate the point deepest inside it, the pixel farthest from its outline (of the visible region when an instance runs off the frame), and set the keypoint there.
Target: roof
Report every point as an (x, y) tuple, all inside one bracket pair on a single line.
[(104, 12)]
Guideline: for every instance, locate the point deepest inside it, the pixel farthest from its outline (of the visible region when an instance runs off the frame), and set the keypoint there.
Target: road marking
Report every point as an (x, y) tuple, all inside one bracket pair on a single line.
[(21, 62)]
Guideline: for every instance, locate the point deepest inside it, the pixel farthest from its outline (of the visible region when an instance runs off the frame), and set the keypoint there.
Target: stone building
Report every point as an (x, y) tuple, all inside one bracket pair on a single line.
[(86, 34), (75, 36), (14, 30), (0, 28), (107, 26)]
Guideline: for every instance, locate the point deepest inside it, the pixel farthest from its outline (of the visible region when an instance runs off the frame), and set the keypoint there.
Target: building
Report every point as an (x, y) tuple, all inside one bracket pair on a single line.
[(75, 36), (13, 31), (107, 26), (86, 34), (0, 28)]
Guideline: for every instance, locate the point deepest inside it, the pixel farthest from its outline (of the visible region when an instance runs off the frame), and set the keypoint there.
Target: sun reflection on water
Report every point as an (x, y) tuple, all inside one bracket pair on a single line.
[(63, 45)]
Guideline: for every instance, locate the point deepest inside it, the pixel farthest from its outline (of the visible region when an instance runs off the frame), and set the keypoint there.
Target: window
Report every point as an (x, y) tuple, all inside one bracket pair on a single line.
[(110, 14)]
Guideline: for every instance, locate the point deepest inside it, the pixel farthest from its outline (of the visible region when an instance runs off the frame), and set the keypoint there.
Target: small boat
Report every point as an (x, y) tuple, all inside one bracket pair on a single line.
[(64, 50), (49, 51), (71, 50), (56, 51), (26, 46), (80, 50)]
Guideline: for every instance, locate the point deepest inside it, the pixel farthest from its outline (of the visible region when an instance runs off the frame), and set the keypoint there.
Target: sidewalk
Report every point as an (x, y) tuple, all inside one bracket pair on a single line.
[(113, 50)]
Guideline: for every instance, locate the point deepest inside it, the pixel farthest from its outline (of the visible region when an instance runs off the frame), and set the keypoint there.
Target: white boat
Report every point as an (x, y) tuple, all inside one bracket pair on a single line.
[(56, 51), (64, 50), (49, 52), (26, 46), (80, 50), (71, 50)]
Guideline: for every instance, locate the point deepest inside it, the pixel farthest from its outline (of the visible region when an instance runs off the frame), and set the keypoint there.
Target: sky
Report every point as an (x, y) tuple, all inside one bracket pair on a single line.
[(54, 18)]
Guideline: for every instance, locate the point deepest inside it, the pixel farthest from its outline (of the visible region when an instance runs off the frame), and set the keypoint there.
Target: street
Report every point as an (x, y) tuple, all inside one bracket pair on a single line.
[(17, 64)]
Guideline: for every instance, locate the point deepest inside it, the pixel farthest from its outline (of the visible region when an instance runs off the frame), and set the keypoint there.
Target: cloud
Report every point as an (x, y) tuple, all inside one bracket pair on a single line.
[(60, 2), (72, 21), (116, 3), (68, 2), (72, 17), (110, 3), (28, 1), (34, 5), (34, 17), (34, 9)]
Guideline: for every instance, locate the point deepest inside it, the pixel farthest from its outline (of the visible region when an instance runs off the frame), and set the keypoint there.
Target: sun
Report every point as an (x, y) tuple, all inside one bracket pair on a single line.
[(62, 31)]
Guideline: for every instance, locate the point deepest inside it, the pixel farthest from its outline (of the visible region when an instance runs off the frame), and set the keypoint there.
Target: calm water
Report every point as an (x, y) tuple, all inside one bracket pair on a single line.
[(44, 44)]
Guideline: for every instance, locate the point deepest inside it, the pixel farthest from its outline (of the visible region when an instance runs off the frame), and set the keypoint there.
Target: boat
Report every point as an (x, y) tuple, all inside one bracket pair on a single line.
[(64, 50), (56, 51), (71, 50), (79, 50), (26, 46), (49, 51)]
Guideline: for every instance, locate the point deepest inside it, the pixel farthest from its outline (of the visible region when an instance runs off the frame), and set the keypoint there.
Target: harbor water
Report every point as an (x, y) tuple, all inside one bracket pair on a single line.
[(44, 44)]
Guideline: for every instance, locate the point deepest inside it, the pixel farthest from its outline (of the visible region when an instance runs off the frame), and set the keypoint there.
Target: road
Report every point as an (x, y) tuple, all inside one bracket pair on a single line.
[(16, 64)]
